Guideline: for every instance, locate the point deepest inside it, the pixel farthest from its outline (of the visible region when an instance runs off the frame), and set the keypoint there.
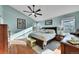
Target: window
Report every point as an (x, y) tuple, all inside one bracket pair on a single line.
[(68, 24)]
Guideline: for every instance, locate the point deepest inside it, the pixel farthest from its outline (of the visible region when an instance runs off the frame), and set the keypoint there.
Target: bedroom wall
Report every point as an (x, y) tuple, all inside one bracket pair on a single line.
[(1, 10), (10, 17), (57, 20), (42, 23), (60, 18), (1, 14)]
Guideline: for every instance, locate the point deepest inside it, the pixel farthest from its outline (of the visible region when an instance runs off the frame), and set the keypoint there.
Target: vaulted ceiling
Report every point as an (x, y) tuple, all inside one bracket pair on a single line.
[(48, 11)]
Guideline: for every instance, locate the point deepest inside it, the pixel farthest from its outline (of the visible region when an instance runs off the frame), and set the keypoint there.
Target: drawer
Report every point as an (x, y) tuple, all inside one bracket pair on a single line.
[(71, 50)]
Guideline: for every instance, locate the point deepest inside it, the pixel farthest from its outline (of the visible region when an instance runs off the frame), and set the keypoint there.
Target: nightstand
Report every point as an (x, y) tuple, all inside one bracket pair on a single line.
[(59, 37), (67, 48)]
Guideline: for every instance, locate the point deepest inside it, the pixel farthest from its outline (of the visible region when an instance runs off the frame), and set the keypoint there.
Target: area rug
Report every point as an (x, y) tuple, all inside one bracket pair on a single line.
[(52, 46)]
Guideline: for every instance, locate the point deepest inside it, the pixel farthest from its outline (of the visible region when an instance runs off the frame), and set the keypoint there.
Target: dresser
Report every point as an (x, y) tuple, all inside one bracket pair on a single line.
[(3, 39), (67, 48)]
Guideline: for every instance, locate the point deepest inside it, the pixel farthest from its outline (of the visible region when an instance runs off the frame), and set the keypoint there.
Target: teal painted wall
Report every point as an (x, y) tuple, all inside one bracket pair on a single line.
[(1, 10), (57, 20), (1, 13), (10, 17)]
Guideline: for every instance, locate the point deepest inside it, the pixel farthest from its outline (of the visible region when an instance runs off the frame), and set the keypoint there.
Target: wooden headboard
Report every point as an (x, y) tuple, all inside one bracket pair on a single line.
[(54, 28)]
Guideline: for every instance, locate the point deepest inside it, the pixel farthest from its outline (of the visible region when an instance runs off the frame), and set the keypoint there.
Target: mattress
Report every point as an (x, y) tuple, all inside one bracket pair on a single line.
[(43, 36)]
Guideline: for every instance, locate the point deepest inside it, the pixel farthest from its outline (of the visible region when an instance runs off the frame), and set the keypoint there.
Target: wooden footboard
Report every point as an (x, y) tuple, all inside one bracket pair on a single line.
[(39, 42)]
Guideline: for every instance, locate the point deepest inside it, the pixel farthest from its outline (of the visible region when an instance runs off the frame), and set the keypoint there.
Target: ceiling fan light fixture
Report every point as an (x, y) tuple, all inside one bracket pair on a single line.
[(33, 11)]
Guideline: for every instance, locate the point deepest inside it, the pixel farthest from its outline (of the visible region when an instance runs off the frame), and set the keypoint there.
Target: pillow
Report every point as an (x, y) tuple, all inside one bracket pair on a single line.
[(50, 31), (47, 31), (66, 38)]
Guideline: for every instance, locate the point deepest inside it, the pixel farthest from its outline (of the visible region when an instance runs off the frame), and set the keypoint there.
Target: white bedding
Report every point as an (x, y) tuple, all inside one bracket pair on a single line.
[(43, 36)]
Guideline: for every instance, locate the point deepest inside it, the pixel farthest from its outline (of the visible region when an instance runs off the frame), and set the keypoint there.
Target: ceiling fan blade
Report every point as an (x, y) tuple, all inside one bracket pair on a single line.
[(35, 15), (39, 14), (29, 8), (38, 10), (33, 7), (29, 14), (27, 11)]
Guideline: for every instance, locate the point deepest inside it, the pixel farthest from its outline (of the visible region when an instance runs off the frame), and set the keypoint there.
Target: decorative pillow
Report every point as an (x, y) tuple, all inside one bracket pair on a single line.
[(66, 38), (47, 31)]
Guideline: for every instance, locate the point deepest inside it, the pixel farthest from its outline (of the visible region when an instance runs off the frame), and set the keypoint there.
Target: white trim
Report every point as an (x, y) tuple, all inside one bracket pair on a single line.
[(12, 37)]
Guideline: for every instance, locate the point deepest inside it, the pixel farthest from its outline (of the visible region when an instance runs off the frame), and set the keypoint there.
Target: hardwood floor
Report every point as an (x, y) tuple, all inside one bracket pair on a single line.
[(20, 49)]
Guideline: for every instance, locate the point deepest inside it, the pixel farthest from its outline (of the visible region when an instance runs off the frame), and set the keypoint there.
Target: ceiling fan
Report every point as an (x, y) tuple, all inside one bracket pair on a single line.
[(33, 11)]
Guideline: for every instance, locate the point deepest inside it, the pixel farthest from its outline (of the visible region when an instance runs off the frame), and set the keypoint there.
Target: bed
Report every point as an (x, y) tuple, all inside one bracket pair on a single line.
[(45, 36)]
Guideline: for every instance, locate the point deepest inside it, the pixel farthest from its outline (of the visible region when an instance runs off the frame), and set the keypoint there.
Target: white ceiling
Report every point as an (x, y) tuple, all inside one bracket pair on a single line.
[(48, 11)]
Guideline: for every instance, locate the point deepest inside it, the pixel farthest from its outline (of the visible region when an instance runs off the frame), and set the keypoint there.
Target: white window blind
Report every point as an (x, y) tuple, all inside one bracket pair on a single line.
[(68, 24)]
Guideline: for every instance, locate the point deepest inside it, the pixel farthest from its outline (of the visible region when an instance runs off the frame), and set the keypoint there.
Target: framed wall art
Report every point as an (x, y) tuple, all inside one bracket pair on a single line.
[(48, 22), (21, 23)]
